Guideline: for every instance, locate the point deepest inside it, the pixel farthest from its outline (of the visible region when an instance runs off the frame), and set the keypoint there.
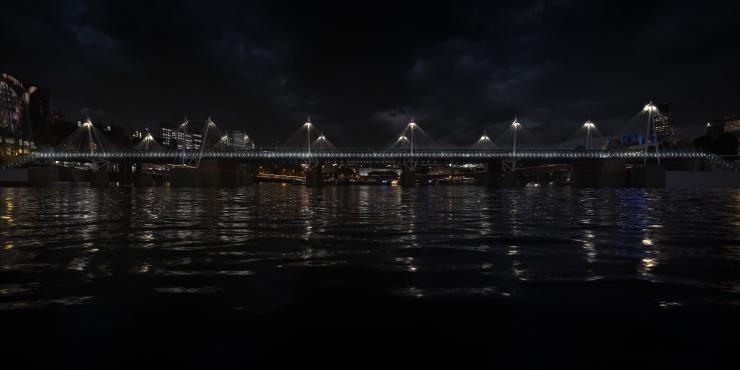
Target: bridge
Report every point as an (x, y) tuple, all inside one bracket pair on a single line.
[(368, 156), (311, 148)]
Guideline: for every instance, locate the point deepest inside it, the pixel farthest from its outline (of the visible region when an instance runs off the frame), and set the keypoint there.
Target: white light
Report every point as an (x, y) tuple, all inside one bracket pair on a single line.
[(516, 124), (402, 138), (589, 125), (649, 107)]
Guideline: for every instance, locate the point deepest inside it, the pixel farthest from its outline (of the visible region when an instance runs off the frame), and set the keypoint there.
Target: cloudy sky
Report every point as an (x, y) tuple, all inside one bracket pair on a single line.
[(361, 69)]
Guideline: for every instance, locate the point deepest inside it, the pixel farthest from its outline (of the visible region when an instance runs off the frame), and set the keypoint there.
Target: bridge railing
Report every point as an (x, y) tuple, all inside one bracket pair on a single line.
[(395, 155)]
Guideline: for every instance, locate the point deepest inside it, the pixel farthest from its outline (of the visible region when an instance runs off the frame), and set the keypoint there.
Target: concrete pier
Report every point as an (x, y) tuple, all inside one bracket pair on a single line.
[(315, 175), (247, 174), (42, 176), (98, 179), (184, 177), (125, 174), (408, 177), (646, 177), (599, 174), (74, 175), (144, 180), (702, 179), (210, 173), (14, 177), (496, 177)]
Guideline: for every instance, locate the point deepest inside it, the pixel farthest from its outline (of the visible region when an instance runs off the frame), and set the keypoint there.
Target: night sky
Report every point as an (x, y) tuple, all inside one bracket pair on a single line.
[(360, 69)]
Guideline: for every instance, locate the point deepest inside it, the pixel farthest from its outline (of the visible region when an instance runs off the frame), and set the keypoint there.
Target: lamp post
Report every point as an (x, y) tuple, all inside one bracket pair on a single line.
[(308, 135), (650, 108), (589, 126), (515, 125), (411, 127)]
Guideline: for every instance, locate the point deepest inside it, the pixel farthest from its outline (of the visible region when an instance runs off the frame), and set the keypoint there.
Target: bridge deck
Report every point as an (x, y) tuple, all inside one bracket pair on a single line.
[(354, 156), (369, 155)]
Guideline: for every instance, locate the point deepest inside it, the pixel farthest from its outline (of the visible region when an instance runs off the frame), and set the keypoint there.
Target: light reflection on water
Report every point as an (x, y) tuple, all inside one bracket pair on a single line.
[(68, 246)]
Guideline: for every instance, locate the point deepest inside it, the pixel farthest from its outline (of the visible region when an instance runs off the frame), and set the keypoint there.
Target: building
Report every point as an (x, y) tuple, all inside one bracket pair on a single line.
[(15, 121), (11, 146), (664, 122), (177, 139), (56, 116), (239, 140), (25, 112), (727, 125), (13, 105), (138, 134), (116, 136), (632, 139)]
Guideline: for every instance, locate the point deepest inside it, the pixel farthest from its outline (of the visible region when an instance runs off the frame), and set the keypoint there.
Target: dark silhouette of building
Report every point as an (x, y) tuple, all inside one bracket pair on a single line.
[(16, 134), (13, 105), (722, 137), (26, 114), (664, 122)]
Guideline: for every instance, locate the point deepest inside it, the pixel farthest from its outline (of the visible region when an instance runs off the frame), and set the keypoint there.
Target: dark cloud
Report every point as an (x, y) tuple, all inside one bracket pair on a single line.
[(362, 69)]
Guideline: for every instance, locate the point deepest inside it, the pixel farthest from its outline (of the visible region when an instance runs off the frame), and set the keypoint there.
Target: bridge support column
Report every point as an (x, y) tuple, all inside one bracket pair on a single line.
[(408, 174), (218, 173), (42, 176), (98, 179), (73, 175), (247, 174), (315, 174), (184, 177), (143, 180), (647, 177), (610, 173), (497, 177), (125, 175), (140, 179)]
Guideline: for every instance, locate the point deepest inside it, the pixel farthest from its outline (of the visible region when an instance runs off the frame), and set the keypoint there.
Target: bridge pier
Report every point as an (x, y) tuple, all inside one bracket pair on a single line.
[(497, 177), (247, 174), (98, 179), (315, 174), (610, 173), (184, 177), (140, 179), (73, 175), (408, 178), (125, 175), (143, 180), (42, 176), (216, 173), (408, 174), (646, 177)]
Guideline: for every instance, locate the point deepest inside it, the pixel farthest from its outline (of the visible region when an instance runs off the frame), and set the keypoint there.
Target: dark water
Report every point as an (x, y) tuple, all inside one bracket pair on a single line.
[(373, 276)]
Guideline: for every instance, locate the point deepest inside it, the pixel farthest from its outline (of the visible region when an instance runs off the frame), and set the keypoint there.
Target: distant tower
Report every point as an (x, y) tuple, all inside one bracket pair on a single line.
[(663, 122)]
